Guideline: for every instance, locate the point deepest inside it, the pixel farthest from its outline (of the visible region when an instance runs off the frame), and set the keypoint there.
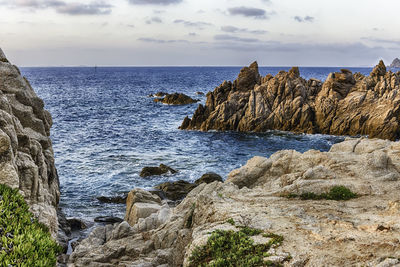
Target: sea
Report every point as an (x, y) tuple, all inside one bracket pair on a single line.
[(106, 128)]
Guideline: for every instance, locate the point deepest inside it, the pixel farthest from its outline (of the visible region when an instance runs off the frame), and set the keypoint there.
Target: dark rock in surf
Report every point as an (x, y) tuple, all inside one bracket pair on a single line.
[(151, 171), (176, 99), (209, 178)]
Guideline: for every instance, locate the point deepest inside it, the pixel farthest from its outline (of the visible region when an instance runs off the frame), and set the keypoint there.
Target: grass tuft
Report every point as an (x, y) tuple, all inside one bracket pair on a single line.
[(335, 193)]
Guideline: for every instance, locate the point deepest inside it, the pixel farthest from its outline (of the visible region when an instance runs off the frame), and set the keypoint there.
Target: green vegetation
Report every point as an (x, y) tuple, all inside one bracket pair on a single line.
[(335, 193), (231, 221), (230, 248), (24, 241)]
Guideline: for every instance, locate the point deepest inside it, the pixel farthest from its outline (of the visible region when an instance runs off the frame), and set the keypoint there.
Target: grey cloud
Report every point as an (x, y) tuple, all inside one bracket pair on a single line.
[(382, 41), (154, 20), (227, 37), (161, 41), (233, 29), (304, 19), (196, 24), (74, 8), (154, 2), (248, 12), (94, 8), (192, 34)]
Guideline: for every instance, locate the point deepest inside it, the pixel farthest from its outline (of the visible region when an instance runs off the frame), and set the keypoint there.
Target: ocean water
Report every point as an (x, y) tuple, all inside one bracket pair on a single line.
[(106, 129)]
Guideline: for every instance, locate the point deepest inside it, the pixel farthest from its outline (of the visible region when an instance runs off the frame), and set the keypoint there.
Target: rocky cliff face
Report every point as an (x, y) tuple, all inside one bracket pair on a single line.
[(395, 63), (345, 104), (27, 160), (364, 231)]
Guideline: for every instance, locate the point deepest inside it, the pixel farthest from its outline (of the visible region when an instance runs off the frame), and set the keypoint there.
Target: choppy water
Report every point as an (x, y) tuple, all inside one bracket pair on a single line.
[(106, 129)]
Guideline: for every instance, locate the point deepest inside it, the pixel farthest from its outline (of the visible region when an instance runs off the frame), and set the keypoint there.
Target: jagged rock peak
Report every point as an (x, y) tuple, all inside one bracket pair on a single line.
[(294, 72), (379, 70), (254, 66), (2, 56), (395, 63)]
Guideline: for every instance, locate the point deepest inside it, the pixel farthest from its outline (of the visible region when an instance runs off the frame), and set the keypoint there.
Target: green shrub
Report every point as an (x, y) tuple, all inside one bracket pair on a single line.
[(24, 241), (335, 193), (230, 248)]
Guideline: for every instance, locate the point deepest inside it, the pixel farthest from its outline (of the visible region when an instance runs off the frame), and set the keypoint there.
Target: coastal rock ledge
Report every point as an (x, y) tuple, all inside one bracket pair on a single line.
[(345, 104), (27, 158), (361, 231)]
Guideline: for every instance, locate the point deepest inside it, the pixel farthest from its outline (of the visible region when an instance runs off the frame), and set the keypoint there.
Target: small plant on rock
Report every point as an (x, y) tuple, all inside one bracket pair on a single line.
[(24, 241)]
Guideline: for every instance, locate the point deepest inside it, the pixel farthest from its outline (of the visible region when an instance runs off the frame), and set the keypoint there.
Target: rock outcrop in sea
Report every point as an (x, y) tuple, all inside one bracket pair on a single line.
[(345, 104), (395, 63), (361, 231), (175, 99), (27, 158)]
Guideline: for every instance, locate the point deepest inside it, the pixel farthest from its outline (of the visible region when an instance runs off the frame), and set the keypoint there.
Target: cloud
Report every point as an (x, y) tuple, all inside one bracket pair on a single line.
[(192, 34), (233, 29), (304, 19), (227, 37), (62, 7), (382, 41), (248, 12), (196, 24), (154, 20), (94, 8), (154, 2), (161, 41)]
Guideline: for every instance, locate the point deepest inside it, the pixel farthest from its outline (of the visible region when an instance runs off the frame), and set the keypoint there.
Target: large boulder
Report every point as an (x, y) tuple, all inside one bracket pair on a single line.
[(27, 158), (208, 178), (141, 204), (345, 104)]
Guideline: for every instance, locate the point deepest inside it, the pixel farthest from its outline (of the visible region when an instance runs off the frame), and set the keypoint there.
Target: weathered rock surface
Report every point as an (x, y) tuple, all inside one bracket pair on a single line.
[(395, 63), (345, 104), (151, 171), (364, 231), (27, 158), (141, 204), (176, 99)]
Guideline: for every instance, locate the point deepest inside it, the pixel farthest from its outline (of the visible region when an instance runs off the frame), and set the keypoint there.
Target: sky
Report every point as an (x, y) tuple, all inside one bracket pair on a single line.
[(199, 32)]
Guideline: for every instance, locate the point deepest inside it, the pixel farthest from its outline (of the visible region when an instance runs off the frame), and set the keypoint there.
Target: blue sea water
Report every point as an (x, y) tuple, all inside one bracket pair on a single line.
[(106, 129)]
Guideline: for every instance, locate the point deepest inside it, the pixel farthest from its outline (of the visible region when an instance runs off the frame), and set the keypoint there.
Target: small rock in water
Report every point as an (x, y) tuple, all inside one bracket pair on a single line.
[(76, 224), (162, 169), (108, 219), (176, 99), (199, 93), (116, 200)]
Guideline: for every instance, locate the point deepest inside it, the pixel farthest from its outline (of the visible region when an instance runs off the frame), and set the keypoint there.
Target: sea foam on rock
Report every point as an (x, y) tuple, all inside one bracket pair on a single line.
[(345, 104), (27, 158), (364, 231)]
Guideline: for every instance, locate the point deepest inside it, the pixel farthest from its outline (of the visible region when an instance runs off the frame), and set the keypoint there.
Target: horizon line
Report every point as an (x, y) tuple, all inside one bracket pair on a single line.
[(183, 66)]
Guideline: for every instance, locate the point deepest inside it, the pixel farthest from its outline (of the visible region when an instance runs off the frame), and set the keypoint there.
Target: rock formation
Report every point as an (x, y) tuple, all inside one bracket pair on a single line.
[(395, 63), (27, 159), (176, 99), (151, 171), (364, 231), (345, 104)]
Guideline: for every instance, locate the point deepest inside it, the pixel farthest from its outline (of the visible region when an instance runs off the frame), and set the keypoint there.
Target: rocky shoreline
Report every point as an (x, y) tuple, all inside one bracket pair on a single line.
[(364, 231), (345, 104)]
